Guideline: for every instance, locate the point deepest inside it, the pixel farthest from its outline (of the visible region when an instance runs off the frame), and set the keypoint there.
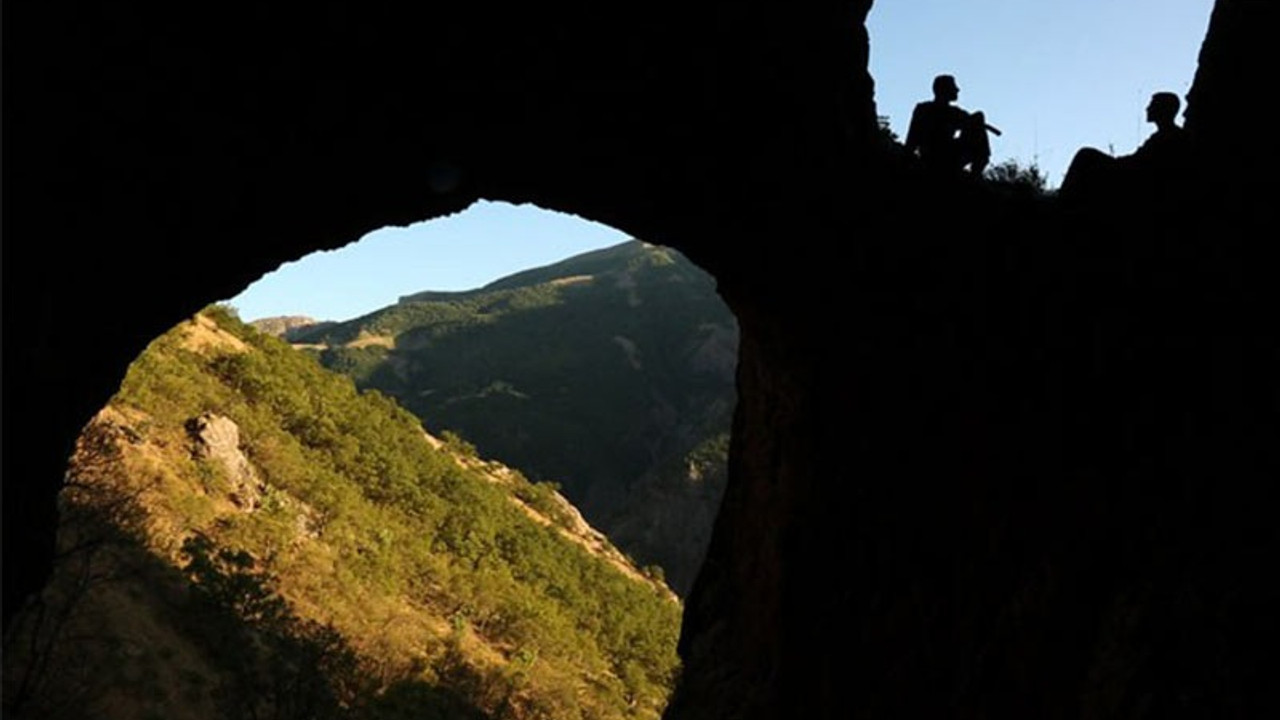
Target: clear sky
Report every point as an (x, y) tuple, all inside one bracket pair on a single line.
[(459, 252), (1054, 75)]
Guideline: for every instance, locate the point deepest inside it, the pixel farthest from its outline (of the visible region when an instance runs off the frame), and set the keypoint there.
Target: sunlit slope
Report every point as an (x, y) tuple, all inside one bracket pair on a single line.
[(610, 373), (280, 532)]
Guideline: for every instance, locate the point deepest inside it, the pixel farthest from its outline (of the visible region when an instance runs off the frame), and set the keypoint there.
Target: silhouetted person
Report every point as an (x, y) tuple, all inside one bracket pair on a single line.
[(1158, 164), (1169, 142), (944, 136)]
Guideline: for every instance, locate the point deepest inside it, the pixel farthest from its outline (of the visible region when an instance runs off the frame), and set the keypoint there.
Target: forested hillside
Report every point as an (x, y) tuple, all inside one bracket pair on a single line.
[(610, 373), (247, 535)]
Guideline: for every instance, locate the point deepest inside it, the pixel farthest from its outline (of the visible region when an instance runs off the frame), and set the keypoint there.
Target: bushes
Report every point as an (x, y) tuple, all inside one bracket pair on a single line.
[(1011, 176), (543, 497), (456, 445), (403, 520)]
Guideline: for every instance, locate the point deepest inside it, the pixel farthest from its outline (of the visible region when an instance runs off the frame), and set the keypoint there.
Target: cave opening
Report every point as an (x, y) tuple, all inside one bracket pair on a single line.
[(1230, 68), (547, 356)]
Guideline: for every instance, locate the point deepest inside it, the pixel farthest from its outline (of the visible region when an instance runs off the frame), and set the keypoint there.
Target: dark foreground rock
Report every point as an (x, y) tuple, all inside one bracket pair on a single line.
[(1040, 485)]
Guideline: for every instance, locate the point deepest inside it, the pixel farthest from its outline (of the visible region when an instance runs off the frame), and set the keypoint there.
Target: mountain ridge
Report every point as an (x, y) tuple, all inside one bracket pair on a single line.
[(582, 265), (277, 535), (600, 372)]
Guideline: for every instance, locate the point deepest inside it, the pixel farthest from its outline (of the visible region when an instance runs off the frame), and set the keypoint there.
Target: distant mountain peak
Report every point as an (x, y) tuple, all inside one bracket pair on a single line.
[(603, 371), (588, 264), (288, 327)]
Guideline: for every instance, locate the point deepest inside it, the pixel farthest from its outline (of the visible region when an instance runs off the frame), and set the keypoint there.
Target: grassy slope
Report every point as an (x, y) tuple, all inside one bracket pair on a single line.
[(419, 583), (601, 372)]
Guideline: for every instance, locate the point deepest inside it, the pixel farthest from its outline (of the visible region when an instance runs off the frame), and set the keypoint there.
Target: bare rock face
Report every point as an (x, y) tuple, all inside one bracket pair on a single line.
[(289, 327), (217, 439)]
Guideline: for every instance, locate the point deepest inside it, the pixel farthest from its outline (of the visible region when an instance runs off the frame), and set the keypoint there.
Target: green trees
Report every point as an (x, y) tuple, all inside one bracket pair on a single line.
[(280, 666), (598, 372), (457, 444), (359, 512)]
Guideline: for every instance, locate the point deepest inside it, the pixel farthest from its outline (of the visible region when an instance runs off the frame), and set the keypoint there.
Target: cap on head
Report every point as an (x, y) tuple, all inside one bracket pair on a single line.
[(943, 83)]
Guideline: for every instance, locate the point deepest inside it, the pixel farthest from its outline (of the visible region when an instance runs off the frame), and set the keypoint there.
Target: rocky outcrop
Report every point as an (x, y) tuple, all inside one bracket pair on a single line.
[(670, 512), (217, 439), (290, 327), (1039, 485)]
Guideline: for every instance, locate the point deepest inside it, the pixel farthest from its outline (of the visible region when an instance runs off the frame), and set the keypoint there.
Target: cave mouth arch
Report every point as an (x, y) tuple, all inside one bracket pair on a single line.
[(83, 177), (681, 372), (631, 276)]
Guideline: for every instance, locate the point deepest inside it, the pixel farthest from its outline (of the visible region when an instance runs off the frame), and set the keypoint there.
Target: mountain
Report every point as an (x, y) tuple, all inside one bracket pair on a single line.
[(610, 373), (289, 327), (244, 534)]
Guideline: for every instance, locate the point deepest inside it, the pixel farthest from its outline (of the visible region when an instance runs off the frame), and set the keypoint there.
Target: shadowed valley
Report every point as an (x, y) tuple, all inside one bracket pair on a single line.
[(609, 373)]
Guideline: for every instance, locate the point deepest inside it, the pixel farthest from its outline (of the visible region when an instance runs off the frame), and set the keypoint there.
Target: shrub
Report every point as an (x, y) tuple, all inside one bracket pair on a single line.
[(457, 445), (1013, 176)]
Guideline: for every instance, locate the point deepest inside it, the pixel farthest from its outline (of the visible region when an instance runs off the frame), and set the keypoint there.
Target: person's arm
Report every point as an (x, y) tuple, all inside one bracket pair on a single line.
[(981, 119)]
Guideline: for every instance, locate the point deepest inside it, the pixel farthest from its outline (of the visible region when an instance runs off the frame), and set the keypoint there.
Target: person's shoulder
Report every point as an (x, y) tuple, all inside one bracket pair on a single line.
[(1164, 138), (1165, 149), (931, 108), (922, 113)]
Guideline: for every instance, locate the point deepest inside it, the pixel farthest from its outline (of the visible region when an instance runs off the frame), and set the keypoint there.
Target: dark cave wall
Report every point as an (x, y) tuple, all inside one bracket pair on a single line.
[(160, 158), (1223, 105), (1039, 484)]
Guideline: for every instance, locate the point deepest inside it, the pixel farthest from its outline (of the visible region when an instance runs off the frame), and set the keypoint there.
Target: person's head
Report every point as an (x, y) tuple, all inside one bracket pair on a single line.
[(1163, 108), (945, 88)]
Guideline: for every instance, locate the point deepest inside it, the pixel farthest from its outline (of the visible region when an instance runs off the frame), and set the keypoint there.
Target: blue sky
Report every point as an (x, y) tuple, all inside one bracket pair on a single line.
[(1054, 75), (459, 252)]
